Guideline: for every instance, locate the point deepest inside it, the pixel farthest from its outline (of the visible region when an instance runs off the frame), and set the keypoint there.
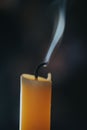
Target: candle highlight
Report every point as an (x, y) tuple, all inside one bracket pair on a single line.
[(35, 103)]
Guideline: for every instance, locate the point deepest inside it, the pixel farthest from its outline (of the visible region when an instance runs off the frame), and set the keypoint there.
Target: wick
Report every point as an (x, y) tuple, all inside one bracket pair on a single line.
[(38, 68)]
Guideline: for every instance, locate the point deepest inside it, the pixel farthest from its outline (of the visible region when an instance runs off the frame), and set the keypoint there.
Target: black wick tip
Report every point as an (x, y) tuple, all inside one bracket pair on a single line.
[(38, 67)]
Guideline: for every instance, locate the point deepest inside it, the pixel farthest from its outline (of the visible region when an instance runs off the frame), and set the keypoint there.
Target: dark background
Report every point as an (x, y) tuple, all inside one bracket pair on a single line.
[(25, 34)]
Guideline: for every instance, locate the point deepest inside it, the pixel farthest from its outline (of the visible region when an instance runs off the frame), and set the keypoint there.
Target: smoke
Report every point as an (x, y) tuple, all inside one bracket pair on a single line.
[(59, 30)]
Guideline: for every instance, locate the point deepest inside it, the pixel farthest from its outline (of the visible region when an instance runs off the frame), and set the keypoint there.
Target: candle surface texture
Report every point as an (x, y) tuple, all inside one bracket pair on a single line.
[(35, 102)]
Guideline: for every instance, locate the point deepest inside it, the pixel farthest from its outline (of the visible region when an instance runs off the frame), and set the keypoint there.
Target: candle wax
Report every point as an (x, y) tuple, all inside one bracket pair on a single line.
[(35, 103)]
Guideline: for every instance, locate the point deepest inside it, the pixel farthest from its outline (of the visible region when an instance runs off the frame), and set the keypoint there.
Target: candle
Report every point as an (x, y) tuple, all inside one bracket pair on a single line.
[(35, 102)]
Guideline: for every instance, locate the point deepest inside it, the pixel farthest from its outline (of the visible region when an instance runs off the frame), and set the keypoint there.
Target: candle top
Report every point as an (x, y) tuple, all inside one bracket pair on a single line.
[(32, 77)]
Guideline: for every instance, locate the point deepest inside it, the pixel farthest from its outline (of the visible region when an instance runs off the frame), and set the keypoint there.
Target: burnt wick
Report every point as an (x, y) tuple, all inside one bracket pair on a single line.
[(43, 64)]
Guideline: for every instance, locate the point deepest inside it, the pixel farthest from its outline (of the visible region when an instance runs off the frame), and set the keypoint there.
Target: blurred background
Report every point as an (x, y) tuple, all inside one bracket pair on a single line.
[(26, 29)]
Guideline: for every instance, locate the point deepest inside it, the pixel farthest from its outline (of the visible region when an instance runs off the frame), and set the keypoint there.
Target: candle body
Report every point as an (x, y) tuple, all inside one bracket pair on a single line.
[(35, 103)]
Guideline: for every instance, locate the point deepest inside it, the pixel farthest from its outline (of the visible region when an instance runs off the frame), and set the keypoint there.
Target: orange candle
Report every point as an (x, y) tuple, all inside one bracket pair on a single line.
[(35, 102)]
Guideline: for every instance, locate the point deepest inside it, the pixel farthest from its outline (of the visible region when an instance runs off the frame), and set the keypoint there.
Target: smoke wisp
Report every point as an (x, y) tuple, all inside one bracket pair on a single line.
[(59, 31)]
